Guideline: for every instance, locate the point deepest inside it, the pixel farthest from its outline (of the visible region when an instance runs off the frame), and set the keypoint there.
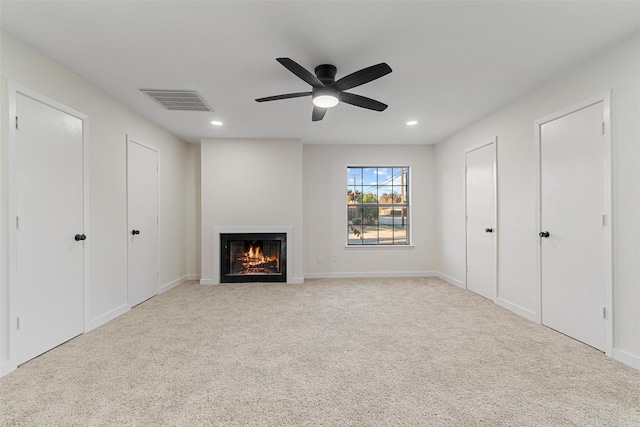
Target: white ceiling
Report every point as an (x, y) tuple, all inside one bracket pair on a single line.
[(453, 62)]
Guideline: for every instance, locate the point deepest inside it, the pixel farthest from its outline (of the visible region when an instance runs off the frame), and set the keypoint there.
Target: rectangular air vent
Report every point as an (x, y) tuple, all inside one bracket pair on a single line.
[(178, 100)]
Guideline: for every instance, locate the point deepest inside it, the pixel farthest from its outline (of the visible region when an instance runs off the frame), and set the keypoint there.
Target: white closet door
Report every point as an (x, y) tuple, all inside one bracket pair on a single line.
[(142, 202), (481, 214), (50, 261), (572, 202)]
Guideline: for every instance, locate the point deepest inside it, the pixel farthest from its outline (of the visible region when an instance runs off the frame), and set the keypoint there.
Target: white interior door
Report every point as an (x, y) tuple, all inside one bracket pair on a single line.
[(572, 207), (481, 217), (142, 202), (50, 213)]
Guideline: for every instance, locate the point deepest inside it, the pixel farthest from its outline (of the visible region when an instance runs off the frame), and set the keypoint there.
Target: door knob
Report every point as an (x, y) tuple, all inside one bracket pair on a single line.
[(80, 237), (134, 232), (488, 230), (544, 234)]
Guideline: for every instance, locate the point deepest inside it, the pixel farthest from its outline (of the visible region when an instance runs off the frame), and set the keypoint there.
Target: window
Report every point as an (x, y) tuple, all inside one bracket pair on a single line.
[(377, 205)]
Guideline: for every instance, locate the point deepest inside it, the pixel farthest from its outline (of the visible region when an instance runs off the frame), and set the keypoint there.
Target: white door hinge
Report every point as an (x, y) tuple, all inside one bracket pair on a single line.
[(604, 312), (604, 220), (17, 127), (17, 223), (604, 128), (18, 323)]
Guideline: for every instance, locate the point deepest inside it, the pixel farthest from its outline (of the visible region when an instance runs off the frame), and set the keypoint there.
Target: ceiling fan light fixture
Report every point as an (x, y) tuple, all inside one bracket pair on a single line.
[(325, 101), (325, 97)]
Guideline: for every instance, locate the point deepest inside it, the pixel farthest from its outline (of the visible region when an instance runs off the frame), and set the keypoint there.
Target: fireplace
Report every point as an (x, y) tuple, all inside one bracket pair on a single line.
[(253, 257)]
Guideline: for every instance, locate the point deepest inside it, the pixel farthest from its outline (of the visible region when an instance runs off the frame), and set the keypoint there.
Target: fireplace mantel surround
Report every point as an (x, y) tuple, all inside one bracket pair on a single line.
[(241, 180), (217, 231)]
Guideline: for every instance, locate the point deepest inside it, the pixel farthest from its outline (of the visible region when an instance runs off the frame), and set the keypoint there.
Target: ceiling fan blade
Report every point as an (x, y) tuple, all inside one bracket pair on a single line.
[(285, 96), (363, 76), (300, 71), (318, 113), (362, 101)]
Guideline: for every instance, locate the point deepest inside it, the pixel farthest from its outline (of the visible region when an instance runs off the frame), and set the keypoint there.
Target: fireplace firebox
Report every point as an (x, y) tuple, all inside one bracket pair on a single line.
[(253, 257)]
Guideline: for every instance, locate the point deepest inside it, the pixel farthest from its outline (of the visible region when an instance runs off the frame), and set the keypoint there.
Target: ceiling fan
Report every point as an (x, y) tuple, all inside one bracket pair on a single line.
[(326, 92)]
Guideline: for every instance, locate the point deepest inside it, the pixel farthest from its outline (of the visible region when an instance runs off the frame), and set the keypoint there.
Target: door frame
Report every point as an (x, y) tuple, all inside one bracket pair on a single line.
[(13, 90), (132, 140), (468, 150), (607, 251)]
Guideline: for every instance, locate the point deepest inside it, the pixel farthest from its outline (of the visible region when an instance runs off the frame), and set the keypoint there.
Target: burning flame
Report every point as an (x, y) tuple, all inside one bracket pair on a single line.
[(255, 252), (255, 256)]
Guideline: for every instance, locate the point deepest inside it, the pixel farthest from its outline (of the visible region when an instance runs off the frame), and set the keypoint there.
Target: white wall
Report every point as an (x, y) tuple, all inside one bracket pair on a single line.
[(109, 122), (324, 195), (251, 182), (617, 69), (193, 208)]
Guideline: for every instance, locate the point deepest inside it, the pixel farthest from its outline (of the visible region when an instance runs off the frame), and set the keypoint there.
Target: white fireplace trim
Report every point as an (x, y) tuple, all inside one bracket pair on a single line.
[(244, 229)]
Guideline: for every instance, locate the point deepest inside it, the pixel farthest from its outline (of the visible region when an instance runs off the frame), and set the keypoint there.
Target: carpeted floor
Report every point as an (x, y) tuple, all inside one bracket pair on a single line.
[(362, 352)]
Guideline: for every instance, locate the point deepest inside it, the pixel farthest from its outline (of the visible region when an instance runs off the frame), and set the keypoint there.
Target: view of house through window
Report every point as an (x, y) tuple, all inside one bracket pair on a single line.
[(378, 205)]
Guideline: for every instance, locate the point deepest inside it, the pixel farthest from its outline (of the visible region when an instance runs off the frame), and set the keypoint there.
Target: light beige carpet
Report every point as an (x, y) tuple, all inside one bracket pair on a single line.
[(362, 352)]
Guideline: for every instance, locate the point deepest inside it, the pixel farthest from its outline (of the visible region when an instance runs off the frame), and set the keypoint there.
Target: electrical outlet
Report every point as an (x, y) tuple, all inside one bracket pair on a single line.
[(335, 258)]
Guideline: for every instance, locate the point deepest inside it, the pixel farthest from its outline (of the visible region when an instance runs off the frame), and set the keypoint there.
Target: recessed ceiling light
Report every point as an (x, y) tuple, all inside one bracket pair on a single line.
[(216, 123), (412, 122)]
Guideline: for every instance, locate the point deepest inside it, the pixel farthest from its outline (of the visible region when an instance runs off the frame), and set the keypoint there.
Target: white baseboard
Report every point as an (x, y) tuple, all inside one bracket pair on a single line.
[(520, 311), (451, 280), (626, 358), (191, 277), (107, 317), (170, 285), (360, 274), (208, 282)]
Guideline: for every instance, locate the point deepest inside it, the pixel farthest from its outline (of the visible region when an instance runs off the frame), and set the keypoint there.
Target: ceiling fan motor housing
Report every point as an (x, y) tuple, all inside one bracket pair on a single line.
[(326, 73)]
